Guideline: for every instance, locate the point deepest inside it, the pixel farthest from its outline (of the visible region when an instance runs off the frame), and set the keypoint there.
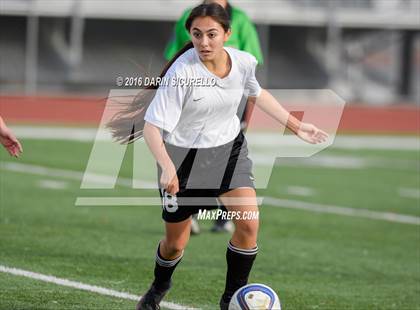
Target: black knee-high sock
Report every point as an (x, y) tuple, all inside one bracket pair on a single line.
[(164, 269), (239, 264)]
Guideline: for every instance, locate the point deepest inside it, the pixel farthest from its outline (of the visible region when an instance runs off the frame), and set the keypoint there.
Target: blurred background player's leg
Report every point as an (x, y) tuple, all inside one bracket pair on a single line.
[(195, 227), (221, 224)]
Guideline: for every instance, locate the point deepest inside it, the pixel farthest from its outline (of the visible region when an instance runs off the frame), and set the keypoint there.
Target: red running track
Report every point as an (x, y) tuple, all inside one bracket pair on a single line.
[(356, 118)]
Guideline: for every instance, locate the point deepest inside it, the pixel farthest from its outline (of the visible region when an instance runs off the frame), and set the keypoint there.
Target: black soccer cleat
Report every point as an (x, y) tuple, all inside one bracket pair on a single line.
[(153, 297), (223, 304)]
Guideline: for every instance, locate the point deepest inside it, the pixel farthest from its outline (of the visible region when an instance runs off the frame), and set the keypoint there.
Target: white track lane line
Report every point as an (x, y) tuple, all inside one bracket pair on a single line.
[(263, 139), (82, 286)]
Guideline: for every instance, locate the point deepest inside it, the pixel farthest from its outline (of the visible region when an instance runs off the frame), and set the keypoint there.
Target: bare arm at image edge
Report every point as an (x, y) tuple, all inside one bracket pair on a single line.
[(9, 141)]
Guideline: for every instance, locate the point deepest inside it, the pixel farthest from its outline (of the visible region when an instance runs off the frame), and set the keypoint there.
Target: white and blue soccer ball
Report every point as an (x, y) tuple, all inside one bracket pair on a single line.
[(255, 297)]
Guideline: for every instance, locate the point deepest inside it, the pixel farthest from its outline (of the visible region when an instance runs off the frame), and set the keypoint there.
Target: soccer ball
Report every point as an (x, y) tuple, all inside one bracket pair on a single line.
[(255, 297)]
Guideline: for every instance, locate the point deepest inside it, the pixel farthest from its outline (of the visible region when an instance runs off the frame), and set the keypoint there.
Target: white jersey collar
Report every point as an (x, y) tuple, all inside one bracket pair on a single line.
[(219, 81)]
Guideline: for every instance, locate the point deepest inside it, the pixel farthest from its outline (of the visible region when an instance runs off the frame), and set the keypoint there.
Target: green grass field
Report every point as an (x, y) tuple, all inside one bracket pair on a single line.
[(312, 260)]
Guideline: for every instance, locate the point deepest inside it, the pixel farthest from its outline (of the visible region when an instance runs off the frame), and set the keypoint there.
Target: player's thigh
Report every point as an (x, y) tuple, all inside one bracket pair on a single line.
[(243, 199)]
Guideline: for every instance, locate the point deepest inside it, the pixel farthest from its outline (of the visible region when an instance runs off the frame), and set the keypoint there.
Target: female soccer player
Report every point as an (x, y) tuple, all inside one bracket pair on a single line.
[(244, 37), (202, 143)]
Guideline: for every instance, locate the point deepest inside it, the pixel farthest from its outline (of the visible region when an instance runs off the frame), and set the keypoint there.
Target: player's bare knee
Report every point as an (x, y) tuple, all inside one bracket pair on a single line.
[(247, 229), (170, 249), (174, 248)]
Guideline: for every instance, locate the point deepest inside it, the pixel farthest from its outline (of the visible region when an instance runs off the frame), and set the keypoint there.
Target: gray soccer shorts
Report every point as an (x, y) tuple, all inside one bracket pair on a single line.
[(204, 174)]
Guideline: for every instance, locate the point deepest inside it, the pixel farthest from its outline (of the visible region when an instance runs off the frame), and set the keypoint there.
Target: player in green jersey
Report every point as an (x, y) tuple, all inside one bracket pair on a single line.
[(244, 34)]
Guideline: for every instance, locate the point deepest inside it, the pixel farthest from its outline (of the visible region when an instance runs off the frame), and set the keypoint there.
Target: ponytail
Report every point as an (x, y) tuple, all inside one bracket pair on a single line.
[(127, 126)]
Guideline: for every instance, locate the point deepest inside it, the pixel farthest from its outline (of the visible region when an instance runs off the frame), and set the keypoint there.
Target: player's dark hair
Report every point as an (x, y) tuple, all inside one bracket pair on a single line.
[(213, 10), (127, 125), (228, 7)]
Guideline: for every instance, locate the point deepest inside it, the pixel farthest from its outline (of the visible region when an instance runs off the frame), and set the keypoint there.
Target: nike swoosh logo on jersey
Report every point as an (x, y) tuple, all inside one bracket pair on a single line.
[(198, 99)]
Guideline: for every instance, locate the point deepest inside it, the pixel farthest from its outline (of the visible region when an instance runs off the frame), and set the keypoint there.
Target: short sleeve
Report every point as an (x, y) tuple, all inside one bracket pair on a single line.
[(165, 109), (252, 84)]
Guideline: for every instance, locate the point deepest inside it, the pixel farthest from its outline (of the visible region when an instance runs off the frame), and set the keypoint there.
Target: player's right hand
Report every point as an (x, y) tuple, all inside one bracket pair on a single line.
[(169, 179)]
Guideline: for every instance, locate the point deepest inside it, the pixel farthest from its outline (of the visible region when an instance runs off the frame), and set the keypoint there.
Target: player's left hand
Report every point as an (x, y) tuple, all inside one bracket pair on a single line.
[(311, 134), (9, 141)]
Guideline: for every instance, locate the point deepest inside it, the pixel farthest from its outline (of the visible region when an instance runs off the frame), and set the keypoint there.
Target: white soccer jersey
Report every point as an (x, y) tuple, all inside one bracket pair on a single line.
[(202, 116)]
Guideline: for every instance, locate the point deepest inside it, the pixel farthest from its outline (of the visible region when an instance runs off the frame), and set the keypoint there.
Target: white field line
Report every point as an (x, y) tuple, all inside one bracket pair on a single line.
[(322, 208), (409, 192), (282, 203), (300, 191), (82, 286), (52, 184), (70, 174)]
